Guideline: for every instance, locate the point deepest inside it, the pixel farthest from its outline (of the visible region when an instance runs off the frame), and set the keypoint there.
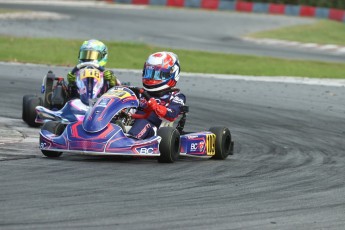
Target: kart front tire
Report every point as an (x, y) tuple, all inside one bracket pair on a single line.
[(24, 107), (29, 111), (56, 128), (224, 143), (169, 146)]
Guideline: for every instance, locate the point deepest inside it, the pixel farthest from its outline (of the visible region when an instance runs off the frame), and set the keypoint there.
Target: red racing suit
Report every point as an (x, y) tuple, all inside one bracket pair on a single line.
[(168, 106)]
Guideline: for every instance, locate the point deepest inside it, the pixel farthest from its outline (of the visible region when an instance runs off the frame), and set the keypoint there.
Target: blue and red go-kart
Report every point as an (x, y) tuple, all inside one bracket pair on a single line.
[(55, 92), (101, 129)]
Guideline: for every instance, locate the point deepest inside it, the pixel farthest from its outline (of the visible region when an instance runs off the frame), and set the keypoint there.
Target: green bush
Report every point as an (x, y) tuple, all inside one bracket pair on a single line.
[(338, 4)]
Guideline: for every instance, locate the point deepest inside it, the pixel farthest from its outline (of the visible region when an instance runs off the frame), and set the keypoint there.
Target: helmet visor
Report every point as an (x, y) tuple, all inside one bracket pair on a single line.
[(90, 55), (156, 74)]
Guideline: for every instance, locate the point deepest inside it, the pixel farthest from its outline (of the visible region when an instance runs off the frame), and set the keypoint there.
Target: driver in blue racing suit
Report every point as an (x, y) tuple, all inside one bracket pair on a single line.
[(96, 52), (160, 74)]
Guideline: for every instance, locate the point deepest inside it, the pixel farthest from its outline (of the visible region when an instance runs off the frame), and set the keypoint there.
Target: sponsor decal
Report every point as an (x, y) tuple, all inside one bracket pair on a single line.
[(118, 93), (178, 100), (43, 145), (144, 130), (104, 102), (128, 99), (201, 146), (143, 103), (146, 151), (197, 146)]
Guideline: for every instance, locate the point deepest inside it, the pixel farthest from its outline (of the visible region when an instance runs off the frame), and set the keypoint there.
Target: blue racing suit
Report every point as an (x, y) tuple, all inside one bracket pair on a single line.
[(169, 107), (108, 75)]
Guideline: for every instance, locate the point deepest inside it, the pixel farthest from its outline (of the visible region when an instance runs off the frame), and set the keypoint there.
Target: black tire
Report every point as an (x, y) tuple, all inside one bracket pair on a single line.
[(224, 144), (57, 128), (169, 146), (29, 112), (24, 107)]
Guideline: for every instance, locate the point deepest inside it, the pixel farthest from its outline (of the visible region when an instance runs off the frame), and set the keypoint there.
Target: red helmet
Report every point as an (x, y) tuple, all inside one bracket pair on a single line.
[(161, 71)]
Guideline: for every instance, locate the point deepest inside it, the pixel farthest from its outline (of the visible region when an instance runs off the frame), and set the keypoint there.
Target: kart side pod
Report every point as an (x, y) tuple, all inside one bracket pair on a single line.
[(215, 143), (198, 144)]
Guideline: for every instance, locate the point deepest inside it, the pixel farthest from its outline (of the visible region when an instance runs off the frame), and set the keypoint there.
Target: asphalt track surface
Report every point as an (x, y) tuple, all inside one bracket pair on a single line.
[(287, 171)]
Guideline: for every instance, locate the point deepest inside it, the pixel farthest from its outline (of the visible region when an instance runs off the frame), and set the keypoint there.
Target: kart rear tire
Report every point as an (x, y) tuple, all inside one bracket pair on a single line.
[(56, 128), (169, 146), (224, 144), (24, 107), (29, 111)]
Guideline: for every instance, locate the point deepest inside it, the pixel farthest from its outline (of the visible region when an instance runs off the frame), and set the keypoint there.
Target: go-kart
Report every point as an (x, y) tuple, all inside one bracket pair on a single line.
[(56, 93), (101, 129)]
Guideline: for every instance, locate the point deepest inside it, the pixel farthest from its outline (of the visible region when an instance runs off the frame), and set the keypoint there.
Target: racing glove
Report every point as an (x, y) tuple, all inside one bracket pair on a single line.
[(110, 77), (160, 110), (72, 87), (71, 78)]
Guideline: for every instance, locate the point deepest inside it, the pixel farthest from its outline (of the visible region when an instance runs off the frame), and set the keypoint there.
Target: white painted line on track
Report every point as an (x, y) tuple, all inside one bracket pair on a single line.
[(34, 15), (100, 4), (332, 48), (309, 45), (329, 47), (342, 50)]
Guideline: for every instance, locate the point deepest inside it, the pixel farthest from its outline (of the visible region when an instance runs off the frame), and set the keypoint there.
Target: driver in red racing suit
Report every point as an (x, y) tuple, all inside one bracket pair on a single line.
[(160, 74)]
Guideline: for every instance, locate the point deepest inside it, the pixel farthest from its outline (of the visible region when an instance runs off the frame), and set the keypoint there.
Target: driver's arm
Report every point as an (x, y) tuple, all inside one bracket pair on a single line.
[(172, 110)]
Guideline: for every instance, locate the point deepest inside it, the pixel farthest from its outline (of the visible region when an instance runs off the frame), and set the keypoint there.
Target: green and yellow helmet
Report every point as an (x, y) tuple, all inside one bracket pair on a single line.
[(93, 51)]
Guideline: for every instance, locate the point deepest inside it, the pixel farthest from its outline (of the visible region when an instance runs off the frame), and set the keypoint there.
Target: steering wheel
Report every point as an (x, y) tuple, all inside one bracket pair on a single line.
[(146, 95)]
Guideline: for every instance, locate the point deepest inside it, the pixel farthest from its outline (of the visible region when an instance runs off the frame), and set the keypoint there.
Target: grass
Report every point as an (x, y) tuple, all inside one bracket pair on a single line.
[(321, 32), (132, 56)]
